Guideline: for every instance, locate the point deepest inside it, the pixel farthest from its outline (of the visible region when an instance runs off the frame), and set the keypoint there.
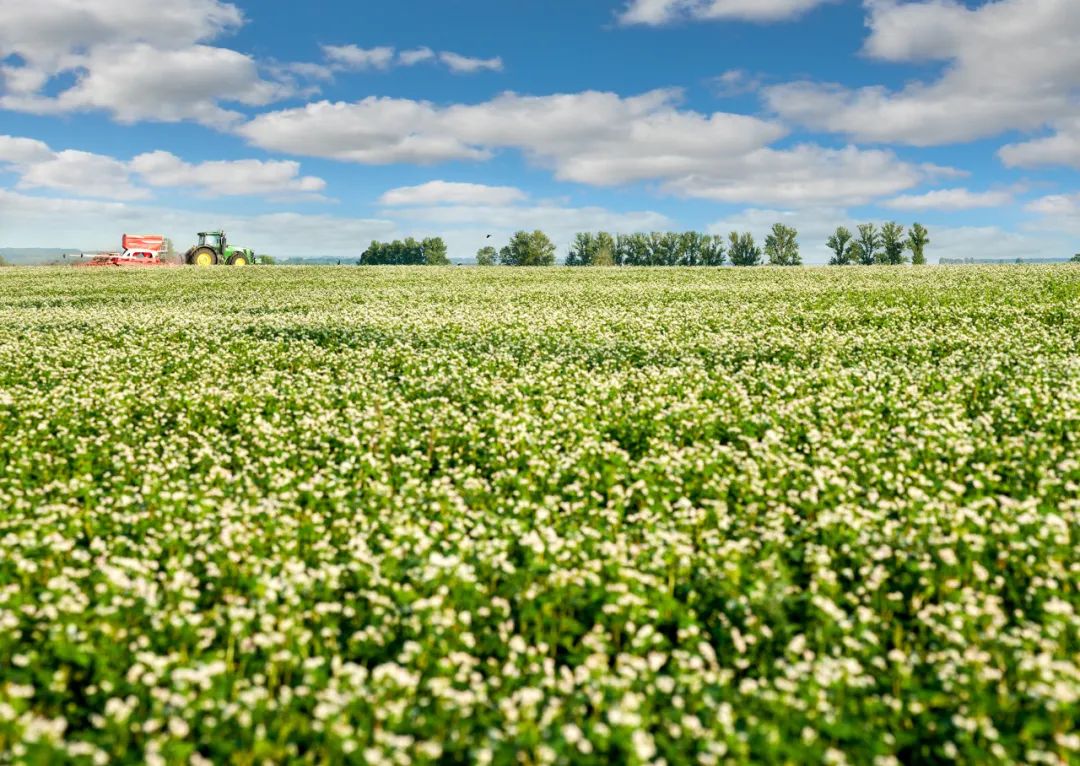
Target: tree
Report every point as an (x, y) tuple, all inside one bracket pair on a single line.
[(1074, 259), (842, 246), (892, 243), (782, 246), (742, 250), (3, 262), (604, 254), (866, 246), (918, 239), (527, 249), (434, 250), (582, 251), (487, 256), (592, 250), (714, 251), (267, 260)]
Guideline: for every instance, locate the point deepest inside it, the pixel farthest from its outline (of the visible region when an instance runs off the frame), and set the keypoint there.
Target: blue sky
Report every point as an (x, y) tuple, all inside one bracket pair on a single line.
[(312, 129)]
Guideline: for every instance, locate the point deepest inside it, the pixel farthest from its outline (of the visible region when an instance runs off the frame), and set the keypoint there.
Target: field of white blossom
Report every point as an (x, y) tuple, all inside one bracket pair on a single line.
[(505, 516)]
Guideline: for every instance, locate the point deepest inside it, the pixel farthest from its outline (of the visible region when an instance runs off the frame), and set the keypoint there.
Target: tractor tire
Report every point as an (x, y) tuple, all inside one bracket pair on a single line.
[(239, 259), (203, 256)]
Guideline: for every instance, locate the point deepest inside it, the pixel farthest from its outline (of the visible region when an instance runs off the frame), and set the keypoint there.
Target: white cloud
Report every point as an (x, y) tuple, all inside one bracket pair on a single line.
[(23, 151), (468, 65), (735, 82), (995, 242), (225, 178), (1061, 148), (445, 192), (83, 174), (136, 59), (45, 33), (1060, 214), (354, 57), (375, 131), (416, 56), (656, 12), (951, 199), (94, 175), (1056, 205), (1009, 64), (595, 138), (345, 58)]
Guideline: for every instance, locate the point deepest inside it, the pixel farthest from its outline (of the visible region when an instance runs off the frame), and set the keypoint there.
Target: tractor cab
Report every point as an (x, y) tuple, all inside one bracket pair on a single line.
[(212, 239)]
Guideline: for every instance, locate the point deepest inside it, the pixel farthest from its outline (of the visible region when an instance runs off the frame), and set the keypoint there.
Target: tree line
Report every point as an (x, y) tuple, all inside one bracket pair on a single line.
[(408, 252), (781, 248), (889, 245)]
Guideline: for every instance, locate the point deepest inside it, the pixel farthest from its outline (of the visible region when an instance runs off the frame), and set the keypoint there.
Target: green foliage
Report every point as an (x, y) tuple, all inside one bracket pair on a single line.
[(782, 246), (840, 242), (3, 262), (435, 252), (892, 244), (407, 252), (918, 239), (267, 260), (656, 249), (487, 256), (1075, 258), (528, 249), (867, 245), (592, 250), (742, 250)]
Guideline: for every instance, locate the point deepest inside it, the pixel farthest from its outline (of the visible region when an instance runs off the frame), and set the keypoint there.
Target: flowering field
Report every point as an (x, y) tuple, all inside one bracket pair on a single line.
[(510, 516)]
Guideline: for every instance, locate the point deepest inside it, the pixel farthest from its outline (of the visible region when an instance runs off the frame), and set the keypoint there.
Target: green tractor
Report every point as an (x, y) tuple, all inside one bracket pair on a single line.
[(213, 249)]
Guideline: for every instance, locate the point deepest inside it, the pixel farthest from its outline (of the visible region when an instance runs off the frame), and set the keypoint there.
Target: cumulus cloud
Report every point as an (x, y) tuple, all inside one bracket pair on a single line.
[(85, 174), (982, 92), (1062, 148), (225, 177), (445, 192), (135, 59), (656, 12), (23, 151), (951, 199), (595, 138)]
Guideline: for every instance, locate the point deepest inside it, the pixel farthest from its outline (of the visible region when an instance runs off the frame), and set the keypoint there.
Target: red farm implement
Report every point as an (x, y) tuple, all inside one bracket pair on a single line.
[(137, 250)]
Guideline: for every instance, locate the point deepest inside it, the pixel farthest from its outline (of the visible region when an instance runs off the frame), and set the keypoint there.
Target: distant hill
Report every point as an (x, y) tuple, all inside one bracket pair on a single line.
[(31, 256), (982, 261)]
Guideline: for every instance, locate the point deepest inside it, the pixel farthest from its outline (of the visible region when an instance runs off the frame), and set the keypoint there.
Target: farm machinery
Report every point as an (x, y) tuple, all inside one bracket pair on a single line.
[(213, 248), (136, 250)]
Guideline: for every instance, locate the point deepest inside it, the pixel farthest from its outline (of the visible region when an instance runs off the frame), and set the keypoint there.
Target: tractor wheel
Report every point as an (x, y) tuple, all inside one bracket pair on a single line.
[(238, 259), (203, 256)]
